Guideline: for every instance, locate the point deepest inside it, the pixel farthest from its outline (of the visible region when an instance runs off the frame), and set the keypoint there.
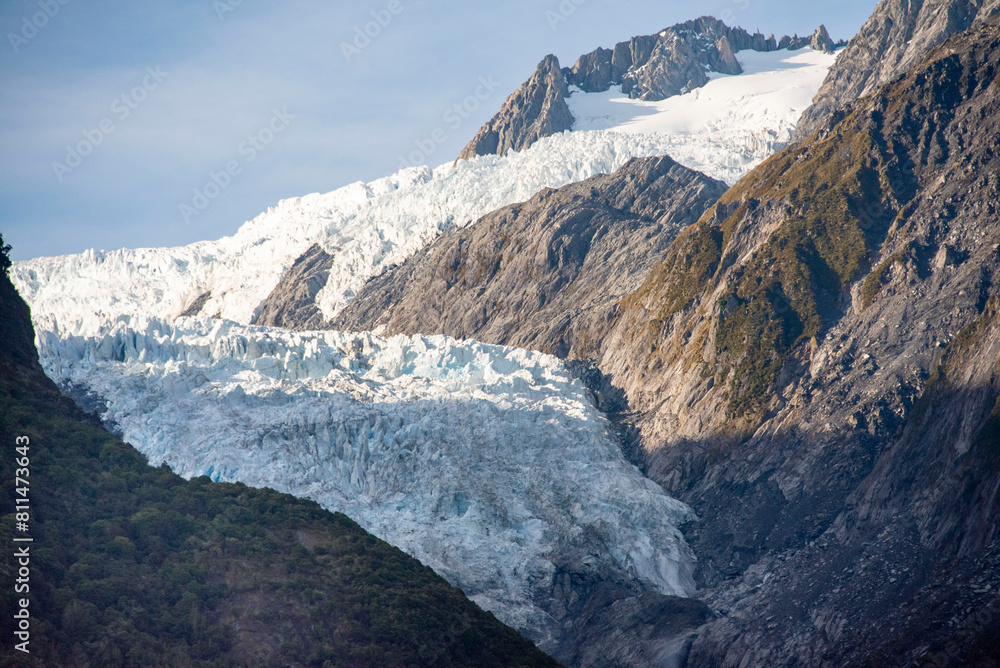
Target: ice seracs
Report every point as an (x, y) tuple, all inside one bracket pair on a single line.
[(489, 464), (723, 129)]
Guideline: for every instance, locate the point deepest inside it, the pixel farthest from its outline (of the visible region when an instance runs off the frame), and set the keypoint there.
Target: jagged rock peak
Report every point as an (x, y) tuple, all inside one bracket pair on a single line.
[(537, 109), (654, 67), (821, 41), (648, 67), (896, 36)]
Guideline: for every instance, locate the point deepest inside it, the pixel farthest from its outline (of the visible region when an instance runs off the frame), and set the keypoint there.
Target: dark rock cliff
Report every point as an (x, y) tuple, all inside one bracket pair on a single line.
[(537, 109), (292, 302)]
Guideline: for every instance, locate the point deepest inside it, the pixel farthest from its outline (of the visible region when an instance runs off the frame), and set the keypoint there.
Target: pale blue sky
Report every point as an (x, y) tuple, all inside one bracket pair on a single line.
[(161, 96)]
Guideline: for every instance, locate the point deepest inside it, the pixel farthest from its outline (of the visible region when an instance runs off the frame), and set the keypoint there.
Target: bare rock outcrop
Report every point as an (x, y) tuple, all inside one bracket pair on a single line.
[(813, 365), (537, 109), (815, 369), (648, 67), (540, 273), (292, 302), (896, 36)]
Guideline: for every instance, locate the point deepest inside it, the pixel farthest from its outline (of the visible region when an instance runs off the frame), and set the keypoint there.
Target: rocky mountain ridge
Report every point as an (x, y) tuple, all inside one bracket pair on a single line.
[(646, 67), (539, 274), (799, 372), (894, 38), (812, 363)]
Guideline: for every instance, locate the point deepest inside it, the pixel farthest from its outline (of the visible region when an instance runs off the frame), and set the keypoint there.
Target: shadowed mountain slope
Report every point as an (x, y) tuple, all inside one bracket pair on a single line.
[(813, 366)]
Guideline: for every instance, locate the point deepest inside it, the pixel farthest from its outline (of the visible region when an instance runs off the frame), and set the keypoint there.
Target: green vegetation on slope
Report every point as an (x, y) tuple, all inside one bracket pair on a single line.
[(134, 566), (784, 245)]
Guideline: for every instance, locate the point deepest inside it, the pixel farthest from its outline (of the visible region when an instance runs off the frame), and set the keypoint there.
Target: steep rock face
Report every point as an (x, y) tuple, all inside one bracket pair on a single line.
[(538, 274), (896, 36), (821, 41), (814, 367), (292, 303), (655, 67), (537, 109), (786, 361), (647, 67)]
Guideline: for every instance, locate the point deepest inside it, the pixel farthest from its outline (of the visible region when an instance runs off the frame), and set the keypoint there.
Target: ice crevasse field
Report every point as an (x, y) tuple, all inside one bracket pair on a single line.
[(489, 464)]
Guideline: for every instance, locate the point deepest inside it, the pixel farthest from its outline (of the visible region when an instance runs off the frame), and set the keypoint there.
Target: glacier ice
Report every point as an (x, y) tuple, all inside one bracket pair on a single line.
[(489, 464), (723, 129)]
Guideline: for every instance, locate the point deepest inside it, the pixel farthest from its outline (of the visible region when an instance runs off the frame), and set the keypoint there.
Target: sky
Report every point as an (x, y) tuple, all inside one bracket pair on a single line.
[(133, 123)]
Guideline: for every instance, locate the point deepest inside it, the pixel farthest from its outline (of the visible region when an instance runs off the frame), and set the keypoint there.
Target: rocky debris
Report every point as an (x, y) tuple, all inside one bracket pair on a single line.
[(895, 37), (537, 109), (538, 274), (292, 303), (648, 67), (639, 630)]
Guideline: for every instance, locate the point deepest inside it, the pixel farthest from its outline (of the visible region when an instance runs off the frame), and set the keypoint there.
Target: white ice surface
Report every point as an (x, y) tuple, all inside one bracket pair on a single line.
[(745, 117), (723, 129), (489, 464)]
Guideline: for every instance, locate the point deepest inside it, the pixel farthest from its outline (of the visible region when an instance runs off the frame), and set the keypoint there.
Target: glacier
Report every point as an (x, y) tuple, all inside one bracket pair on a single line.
[(489, 464), (723, 129)]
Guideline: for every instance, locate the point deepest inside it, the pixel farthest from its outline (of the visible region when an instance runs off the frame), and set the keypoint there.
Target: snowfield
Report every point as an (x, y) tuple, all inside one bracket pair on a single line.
[(726, 127), (489, 464)]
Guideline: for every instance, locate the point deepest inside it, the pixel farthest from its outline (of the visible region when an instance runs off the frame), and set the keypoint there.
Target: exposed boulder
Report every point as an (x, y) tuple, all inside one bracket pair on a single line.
[(292, 303)]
